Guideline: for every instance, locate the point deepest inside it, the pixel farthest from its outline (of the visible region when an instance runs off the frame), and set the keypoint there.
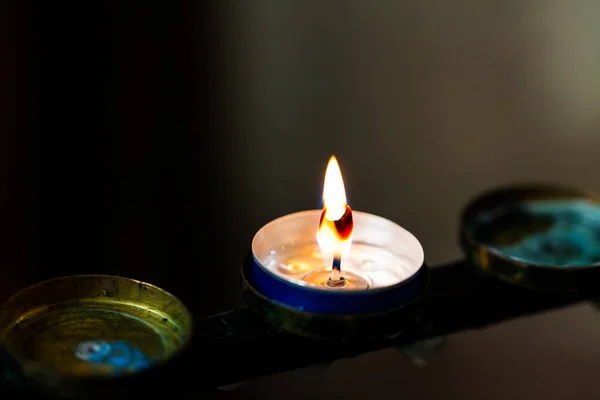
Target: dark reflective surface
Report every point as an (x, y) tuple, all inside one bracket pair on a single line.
[(154, 141), (554, 356)]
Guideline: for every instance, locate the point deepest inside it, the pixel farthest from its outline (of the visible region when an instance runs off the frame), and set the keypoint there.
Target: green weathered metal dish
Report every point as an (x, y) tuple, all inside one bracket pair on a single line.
[(72, 335), (543, 237)]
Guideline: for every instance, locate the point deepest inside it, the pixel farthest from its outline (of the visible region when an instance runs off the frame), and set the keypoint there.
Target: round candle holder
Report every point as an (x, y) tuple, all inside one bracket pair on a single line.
[(284, 278), (90, 335), (543, 237)]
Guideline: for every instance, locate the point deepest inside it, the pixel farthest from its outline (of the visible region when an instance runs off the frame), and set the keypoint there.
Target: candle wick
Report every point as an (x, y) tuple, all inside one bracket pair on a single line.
[(337, 265), (336, 279)]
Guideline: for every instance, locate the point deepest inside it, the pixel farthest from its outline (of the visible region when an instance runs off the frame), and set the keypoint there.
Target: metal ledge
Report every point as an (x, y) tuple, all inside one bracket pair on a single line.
[(235, 346), (238, 347)]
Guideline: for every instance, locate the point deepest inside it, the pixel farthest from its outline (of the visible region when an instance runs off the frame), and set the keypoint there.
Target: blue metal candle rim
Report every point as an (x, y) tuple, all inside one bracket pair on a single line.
[(335, 302)]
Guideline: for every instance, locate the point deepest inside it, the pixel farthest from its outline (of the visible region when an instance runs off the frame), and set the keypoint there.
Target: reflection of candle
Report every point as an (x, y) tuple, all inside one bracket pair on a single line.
[(367, 251)]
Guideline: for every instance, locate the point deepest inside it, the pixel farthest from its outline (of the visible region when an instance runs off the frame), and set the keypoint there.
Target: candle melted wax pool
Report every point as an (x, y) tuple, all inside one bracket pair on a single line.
[(378, 266), (550, 233)]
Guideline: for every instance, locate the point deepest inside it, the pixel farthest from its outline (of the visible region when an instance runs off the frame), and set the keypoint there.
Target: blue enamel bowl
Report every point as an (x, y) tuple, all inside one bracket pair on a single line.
[(330, 302)]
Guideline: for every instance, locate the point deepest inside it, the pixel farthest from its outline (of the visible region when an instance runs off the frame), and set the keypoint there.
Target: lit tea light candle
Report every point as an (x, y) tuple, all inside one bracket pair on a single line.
[(308, 259)]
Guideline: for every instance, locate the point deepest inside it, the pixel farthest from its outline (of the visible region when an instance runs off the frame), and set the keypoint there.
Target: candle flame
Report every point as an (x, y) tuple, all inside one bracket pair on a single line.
[(336, 224), (334, 193)]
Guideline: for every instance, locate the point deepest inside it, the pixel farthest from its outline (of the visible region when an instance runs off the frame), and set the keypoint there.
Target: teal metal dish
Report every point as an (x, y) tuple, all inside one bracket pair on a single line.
[(539, 236)]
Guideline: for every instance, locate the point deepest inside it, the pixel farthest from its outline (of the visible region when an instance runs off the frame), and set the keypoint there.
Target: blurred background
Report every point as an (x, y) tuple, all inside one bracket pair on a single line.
[(153, 140)]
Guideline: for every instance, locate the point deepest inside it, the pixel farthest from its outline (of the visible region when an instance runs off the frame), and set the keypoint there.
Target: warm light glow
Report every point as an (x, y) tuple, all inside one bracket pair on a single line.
[(334, 193), (336, 225)]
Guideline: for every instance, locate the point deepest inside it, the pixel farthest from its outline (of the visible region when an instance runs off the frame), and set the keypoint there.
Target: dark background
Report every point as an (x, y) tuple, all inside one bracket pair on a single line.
[(152, 141)]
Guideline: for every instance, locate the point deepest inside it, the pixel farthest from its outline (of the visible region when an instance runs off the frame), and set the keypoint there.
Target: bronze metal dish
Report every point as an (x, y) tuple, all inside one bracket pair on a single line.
[(71, 336)]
